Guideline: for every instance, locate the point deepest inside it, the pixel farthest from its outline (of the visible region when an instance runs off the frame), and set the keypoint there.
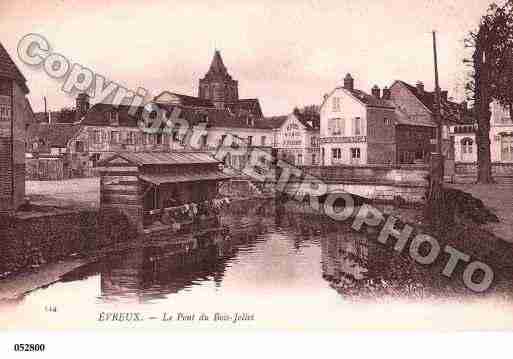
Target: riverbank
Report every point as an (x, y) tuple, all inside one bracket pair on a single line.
[(82, 195), (14, 287), (499, 199)]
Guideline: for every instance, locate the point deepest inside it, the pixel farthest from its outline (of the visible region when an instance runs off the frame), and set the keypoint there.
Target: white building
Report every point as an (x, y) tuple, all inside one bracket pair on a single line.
[(296, 139), (356, 128), (501, 135), (501, 138)]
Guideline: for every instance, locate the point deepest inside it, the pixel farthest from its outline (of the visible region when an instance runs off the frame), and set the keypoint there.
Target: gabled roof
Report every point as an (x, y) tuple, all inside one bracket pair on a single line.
[(54, 135), (9, 70), (364, 98), (450, 111), (184, 100)]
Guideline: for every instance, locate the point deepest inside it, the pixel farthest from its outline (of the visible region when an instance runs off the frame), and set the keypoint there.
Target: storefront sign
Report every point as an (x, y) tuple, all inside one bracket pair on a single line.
[(352, 139)]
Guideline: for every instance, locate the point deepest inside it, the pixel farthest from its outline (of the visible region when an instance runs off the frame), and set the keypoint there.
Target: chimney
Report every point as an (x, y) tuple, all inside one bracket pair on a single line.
[(349, 82), (386, 93), (82, 103), (443, 95), (376, 92), (420, 88)]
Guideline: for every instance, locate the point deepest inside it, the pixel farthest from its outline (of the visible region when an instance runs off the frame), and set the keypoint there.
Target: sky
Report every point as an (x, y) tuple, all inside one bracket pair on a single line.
[(287, 53)]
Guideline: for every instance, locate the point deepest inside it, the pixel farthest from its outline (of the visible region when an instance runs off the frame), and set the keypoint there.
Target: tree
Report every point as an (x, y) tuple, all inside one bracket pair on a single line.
[(491, 77)]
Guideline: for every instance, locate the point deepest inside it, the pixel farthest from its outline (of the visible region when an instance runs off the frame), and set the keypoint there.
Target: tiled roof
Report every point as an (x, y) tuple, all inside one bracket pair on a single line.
[(97, 115), (165, 158), (401, 118), (273, 121), (250, 105), (213, 117), (312, 121), (193, 101), (450, 111), (8, 69), (370, 100), (54, 135)]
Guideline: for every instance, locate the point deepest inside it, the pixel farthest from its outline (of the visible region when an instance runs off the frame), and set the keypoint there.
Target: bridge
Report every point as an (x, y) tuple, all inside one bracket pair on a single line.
[(406, 183)]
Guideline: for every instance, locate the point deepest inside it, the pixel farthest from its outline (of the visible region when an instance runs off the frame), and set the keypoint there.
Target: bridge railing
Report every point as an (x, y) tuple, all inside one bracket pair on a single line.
[(393, 174)]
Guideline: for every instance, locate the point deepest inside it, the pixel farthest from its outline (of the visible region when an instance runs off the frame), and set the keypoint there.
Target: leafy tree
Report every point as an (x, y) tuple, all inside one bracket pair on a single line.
[(491, 77)]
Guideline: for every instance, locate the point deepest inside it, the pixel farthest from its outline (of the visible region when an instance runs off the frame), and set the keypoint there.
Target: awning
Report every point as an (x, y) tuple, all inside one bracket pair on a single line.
[(159, 179)]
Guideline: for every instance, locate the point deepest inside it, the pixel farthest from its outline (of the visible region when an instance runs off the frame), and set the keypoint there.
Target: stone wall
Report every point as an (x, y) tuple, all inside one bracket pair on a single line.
[(405, 183), (34, 238), (467, 172)]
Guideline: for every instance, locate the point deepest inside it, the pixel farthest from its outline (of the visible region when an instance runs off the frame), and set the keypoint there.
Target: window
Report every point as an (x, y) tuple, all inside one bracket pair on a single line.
[(336, 153), (314, 141), (299, 159), (250, 140), (355, 153), (114, 137), (314, 159), (97, 136), (336, 104), (204, 140), (263, 140), (336, 127), (221, 141), (357, 126), (79, 146), (130, 139), (5, 112), (466, 145), (507, 148), (5, 87), (113, 118), (159, 138), (387, 121)]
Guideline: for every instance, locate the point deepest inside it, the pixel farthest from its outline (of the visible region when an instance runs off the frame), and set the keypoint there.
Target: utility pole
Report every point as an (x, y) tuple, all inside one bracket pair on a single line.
[(435, 210), (438, 116)]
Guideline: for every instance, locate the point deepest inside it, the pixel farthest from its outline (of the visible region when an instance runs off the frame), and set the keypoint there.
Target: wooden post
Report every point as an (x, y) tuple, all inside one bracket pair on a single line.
[(434, 212)]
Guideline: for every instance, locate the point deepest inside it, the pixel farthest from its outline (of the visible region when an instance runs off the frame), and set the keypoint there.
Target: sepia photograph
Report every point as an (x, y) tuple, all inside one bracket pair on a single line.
[(217, 166)]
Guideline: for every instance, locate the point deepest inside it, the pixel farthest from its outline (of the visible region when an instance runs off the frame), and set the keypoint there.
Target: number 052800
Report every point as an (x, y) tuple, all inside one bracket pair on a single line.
[(29, 347)]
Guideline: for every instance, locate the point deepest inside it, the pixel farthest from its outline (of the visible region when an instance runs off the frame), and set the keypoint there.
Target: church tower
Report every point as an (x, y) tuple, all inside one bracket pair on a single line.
[(217, 85)]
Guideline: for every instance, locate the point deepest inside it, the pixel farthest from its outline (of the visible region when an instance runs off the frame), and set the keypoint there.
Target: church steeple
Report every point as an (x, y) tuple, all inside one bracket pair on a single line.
[(217, 67), (217, 85)]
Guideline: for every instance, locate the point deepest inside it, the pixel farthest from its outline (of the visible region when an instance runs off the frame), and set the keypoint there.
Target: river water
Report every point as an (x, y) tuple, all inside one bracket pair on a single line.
[(279, 271)]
